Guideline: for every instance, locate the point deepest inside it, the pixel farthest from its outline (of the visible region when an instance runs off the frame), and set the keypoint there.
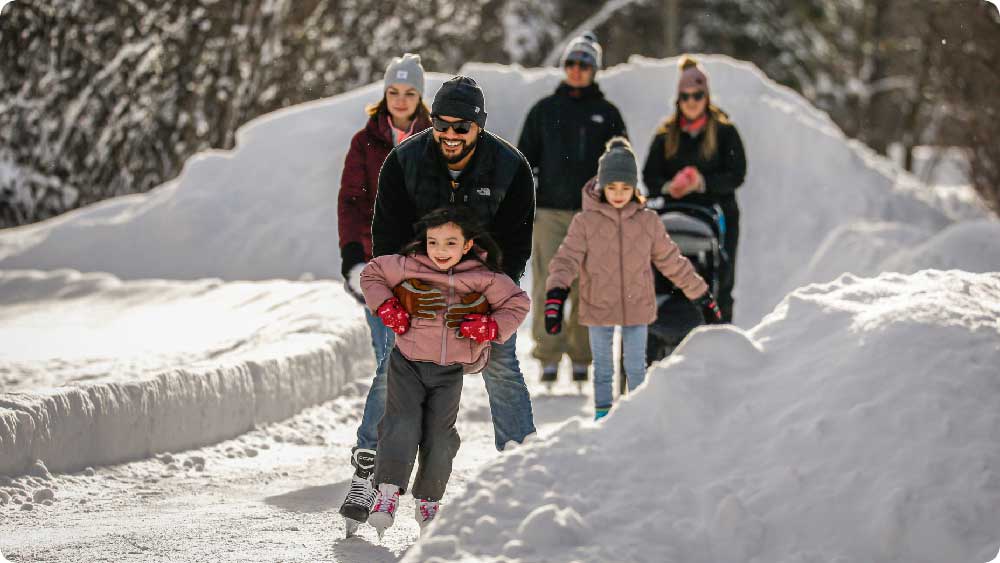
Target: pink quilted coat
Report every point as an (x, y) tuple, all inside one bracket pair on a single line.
[(430, 340), (611, 249)]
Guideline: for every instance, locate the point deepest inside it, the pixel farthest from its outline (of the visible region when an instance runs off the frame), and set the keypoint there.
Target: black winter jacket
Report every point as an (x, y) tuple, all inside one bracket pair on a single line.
[(496, 185), (723, 173), (563, 137)]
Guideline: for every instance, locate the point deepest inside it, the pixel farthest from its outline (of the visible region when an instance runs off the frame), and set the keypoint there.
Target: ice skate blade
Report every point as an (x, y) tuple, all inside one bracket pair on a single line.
[(381, 522), (351, 526)]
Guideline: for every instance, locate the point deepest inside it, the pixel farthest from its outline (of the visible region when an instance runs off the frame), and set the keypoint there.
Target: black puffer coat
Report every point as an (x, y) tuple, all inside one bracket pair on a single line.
[(563, 137)]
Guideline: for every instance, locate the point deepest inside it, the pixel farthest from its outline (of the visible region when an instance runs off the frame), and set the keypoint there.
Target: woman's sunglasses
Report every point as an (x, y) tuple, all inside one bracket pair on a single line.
[(696, 96), (460, 127), (581, 64)]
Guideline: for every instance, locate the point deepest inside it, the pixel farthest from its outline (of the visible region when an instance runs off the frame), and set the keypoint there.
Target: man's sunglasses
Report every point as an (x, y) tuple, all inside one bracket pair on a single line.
[(460, 127), (581, 64), (696, 96)]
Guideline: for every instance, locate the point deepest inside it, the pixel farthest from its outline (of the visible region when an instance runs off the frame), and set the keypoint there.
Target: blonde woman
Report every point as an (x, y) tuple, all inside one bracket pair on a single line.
[(697, 157)]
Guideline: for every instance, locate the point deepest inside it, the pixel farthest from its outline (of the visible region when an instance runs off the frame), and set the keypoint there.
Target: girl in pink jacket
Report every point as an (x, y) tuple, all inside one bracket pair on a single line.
[(610, 245), (424, 378)]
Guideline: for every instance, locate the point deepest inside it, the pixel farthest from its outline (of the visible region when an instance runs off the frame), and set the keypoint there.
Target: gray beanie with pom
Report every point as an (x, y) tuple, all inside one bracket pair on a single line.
[(405, 70), (617, 164)]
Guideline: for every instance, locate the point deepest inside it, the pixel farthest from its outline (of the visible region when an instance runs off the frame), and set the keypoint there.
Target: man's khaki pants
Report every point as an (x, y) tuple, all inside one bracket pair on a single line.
[(551, 226)]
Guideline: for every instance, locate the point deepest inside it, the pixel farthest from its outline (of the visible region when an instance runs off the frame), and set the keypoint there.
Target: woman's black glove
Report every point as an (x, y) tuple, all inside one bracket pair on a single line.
[(555, 299), (709, 308)]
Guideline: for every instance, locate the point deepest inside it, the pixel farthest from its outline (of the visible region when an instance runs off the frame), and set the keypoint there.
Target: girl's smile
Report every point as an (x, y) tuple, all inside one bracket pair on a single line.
[(446, 245)]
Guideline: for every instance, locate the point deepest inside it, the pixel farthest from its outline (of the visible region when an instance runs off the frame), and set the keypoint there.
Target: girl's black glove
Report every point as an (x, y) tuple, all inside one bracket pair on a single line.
[(709, 308), (555, 299)]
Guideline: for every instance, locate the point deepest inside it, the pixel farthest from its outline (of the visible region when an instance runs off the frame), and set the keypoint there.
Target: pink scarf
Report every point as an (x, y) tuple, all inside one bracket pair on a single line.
[(398, 135), (693, 128)]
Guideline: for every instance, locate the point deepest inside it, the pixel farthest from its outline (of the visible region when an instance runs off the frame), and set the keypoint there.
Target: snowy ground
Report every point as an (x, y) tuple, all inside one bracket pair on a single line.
[(268, 495), (856, 422)]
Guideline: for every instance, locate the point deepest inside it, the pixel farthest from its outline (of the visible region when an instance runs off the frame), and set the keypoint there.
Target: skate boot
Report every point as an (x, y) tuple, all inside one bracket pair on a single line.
[(426, 511), (384, 511), (549, 374), (580, 376), (362, 492)]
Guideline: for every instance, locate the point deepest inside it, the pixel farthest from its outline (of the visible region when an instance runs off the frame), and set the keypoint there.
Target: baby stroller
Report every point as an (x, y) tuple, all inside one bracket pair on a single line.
[(697, 230)]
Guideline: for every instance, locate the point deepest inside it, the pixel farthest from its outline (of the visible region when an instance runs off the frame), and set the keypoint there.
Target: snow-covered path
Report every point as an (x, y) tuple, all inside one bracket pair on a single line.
[(269, 495)]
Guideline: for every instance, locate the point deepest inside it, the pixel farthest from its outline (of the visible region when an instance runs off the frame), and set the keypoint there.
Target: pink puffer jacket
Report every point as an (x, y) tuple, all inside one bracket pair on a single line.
[(611, 250), (431, 340)]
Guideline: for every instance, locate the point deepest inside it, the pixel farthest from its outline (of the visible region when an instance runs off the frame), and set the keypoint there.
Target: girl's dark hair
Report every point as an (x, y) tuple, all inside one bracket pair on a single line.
[(382, 108), (471, 229)]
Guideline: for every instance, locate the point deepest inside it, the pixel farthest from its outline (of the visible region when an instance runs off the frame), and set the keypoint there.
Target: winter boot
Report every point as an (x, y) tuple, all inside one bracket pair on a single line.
[(426, 510), (384, 511), (601, 412), (580, 375), (362, 492), (549, 374)]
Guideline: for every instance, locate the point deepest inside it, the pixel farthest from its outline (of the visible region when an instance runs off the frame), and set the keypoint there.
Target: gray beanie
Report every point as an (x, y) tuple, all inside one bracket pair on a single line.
[(405, 70), (617, 164), (585, 49)]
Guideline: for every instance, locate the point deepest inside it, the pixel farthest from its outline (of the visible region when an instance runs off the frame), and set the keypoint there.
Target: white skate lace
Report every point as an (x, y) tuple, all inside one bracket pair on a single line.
[(361, 493), (386, 503), (428, 509)]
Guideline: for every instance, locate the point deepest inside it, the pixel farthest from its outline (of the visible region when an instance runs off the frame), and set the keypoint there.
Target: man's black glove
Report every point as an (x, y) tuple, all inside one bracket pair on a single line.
[(709, 308), (555, 299), (352, 260)]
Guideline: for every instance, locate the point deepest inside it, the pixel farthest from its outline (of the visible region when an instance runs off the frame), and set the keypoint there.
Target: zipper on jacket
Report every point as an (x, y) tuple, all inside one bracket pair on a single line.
[(444, 327), (621, 261)]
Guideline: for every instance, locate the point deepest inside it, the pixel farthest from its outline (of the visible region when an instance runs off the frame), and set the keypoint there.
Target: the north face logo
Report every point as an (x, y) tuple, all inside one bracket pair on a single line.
[(477, 109), (597, 118), (402, 74), (485, 192)]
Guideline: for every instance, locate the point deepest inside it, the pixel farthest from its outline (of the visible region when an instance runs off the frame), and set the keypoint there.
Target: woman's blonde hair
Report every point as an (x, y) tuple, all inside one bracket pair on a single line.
[(671, 126)]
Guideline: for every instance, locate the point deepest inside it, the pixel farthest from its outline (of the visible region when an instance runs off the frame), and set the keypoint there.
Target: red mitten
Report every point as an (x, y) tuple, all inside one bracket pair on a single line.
[(694, 179), (481, 328), (394, 316)]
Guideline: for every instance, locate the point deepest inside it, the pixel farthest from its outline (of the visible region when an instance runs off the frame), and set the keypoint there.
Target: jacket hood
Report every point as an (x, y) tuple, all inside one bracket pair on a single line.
[(592, 202)]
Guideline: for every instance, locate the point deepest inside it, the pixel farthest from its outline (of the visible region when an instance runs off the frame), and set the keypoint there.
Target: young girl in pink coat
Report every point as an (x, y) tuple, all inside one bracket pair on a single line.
[(610, 245), (432, 353)]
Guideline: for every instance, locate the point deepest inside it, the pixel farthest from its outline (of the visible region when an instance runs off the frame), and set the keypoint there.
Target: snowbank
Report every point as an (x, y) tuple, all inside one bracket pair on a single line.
[(97, 371), (860, 421), (267, 209)]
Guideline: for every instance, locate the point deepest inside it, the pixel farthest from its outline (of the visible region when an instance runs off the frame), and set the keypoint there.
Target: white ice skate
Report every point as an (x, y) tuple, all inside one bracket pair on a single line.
[(426, 510), (384, 510)]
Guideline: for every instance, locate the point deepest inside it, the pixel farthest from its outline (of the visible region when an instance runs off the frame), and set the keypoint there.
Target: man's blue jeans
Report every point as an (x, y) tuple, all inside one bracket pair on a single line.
[(510, 402), (601, 347), (383, 340)]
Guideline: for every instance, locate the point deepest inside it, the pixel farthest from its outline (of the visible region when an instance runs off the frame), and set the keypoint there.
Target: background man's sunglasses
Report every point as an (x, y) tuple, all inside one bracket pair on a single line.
[(696, 96), (581, 64), (460, 127)]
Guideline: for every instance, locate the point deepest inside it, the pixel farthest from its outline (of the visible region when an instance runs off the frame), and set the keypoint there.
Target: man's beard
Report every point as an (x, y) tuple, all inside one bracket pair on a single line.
[(466, 150)]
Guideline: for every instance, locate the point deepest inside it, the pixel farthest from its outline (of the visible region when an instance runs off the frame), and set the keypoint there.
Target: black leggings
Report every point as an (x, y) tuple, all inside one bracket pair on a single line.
[(727, 278)]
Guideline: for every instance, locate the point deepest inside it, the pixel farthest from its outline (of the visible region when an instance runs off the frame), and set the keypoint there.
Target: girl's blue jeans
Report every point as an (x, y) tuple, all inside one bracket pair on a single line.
[(601, 347)]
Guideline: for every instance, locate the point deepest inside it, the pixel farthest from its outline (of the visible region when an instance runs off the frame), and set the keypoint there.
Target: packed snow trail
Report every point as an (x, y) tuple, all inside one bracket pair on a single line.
[(269, 495)]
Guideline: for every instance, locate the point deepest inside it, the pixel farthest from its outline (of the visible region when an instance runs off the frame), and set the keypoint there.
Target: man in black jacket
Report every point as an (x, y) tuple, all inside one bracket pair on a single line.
[(563, 137), (457, 162)]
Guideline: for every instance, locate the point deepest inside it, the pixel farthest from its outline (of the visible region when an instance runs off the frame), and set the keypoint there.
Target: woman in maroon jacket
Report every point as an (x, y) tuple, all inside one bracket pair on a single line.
[(400, 113)]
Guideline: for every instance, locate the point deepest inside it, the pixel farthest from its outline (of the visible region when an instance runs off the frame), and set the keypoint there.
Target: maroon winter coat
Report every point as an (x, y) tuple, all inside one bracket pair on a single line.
[(359, 181)]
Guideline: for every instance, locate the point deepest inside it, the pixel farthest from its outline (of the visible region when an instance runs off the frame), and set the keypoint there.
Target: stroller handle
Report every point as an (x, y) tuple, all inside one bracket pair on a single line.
[(712, 215)]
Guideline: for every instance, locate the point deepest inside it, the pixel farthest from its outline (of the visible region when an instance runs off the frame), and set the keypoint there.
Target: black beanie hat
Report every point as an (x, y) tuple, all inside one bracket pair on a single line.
[(461, 97)]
